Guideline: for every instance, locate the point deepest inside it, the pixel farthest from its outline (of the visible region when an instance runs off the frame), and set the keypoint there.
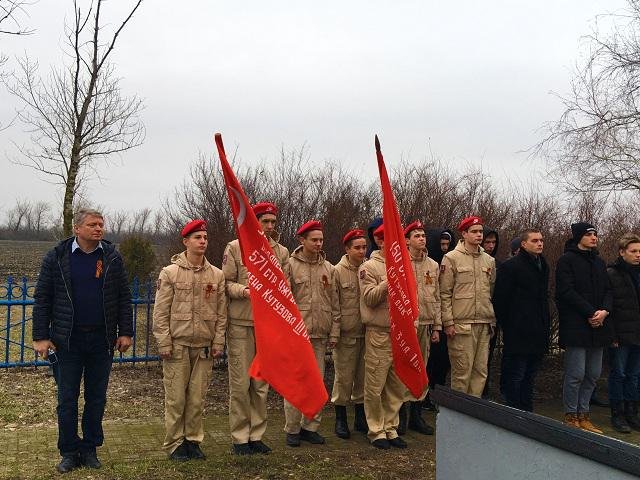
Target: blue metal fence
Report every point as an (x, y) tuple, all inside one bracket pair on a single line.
[(16, 305)]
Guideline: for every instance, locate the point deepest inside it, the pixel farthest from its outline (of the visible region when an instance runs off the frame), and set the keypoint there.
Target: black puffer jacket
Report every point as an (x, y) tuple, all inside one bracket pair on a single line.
[(625, 316), (521, 304), (53, 309), (582, 287)]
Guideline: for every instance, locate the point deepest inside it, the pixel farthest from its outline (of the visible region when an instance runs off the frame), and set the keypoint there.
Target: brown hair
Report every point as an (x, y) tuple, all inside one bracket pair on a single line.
[(627, 239), (524, 234)]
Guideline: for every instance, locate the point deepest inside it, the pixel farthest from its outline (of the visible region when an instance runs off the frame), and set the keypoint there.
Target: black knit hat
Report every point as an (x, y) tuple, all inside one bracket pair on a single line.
[(580, 229)]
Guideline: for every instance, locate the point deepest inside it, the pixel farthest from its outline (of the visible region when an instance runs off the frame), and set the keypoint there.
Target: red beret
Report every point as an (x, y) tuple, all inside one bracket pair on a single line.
[(264, 207), (379, 232), (194, 226), (417, 225), (350, 235), (469, 222), (309, 226)]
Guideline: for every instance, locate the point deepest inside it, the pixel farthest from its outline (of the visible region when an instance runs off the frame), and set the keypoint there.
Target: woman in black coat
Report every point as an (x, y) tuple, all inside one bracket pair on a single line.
[(521, 304), (624, 355), (583, 297)]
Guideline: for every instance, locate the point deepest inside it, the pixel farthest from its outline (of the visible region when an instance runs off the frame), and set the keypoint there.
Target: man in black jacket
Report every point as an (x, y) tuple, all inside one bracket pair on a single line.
[(624, 355), (82, 313), (583, 297), (521, 304)]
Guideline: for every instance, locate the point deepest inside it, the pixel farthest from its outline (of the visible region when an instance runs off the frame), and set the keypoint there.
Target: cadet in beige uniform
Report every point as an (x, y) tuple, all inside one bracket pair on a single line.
[(383, 390), (467, 277), (189, 321), (247, 396), (426, 272), (348, 355), (314, 287)]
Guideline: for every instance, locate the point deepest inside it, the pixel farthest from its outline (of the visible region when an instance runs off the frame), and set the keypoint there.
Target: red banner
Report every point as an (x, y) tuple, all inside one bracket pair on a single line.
[(284, 356), (403, 296)]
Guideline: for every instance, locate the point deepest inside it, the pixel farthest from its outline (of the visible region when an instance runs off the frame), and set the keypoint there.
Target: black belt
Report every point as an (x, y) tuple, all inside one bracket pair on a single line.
[(88, 328)]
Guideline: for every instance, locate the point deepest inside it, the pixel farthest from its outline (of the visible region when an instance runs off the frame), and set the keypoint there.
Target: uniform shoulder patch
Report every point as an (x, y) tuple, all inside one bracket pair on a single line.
[(158, 284), (362, 274), (224, 259)]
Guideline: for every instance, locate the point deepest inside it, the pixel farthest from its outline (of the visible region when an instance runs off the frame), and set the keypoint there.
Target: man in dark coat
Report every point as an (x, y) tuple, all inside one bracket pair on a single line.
[(583, 297), (521, 304), (439, 242), (624, 355), (491, 243), (82, 313)]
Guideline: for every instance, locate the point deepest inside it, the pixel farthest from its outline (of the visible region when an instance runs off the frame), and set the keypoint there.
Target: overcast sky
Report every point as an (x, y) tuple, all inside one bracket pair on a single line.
[(469, 81)]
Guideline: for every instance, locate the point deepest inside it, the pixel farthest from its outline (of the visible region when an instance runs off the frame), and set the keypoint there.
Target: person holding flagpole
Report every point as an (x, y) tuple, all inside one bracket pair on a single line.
[(314, 288), (384, 392), (467, 278), (247, 396)]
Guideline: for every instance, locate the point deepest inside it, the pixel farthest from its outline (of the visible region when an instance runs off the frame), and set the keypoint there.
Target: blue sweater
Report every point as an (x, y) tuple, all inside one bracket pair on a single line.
[(87, 279)]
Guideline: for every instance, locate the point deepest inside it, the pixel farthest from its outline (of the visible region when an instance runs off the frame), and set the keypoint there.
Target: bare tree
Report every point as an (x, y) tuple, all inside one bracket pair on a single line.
[(77, 115), (18, 215), (138, 222), (38, 215), (595, 145), (10, 13)]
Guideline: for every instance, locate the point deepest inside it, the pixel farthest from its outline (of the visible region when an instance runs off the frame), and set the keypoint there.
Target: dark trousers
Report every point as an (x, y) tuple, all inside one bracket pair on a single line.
[(438, 364), (88, 357), (518, 379), (624, 365)]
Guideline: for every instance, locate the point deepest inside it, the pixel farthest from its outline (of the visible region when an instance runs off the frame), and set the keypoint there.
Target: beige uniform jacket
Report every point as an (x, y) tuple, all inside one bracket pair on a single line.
[(315, 289), (374, 309), (235, 274), (466, 286), (190, 307), (427, 272), (349, 294)]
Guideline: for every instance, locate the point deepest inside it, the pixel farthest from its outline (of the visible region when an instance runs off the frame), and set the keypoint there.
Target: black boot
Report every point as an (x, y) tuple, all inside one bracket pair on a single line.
[(618, 421), (360, 421), (416, 422), (404, 419), (342, 427), (631, 414)]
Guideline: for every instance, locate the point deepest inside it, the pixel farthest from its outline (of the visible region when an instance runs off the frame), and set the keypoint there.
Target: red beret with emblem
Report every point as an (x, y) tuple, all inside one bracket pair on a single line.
[(309, 226), (469, 222), (351, 234), (194, 226), (379, 232), (264, 207), (417, 225)]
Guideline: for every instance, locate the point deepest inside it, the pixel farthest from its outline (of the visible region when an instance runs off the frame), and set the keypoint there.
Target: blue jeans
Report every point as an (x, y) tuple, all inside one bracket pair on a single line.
[(518, 379), (582, 368), (88, 356), (624, 363)]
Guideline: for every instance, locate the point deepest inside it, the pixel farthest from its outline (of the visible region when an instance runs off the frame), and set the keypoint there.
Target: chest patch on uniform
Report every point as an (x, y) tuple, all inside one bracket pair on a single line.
[(362, 274), (98, 268), (208, 291)]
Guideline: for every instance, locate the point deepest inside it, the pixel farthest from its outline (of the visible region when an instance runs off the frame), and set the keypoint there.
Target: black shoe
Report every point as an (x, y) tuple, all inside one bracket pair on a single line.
[(342, 427), (404, 419), (242, 449), (416, 422), (180, 454), (381, 443), (193, 450), (360, 421), (293, 439), (257, 446), (311, 437), (428, 405), (90, 460), (68, 463), (398, 443), (631, 415)]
